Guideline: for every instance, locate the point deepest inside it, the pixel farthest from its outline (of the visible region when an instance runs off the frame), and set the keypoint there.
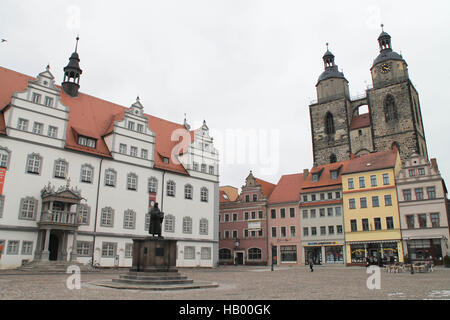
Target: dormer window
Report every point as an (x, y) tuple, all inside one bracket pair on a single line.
[(130, 125), (140, 127), (333, 174), (166, 160), (315, 177), (87, 142)]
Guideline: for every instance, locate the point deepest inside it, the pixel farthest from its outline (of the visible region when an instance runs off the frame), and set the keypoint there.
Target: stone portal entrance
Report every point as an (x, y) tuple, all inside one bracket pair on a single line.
[(53, 247)]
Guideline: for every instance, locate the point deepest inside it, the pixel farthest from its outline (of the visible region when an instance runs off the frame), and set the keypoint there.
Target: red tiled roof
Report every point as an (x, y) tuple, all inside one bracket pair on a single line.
[(360, 121), (325, 177), (372, 161), (287, 189), (94, 117), (230, 192), (266, 187)]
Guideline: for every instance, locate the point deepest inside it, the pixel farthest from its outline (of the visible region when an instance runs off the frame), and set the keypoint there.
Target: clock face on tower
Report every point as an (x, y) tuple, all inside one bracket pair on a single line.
[(385, 68)]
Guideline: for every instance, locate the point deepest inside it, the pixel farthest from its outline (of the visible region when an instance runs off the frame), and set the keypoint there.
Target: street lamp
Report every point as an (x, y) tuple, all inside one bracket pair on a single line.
[(236, 245)]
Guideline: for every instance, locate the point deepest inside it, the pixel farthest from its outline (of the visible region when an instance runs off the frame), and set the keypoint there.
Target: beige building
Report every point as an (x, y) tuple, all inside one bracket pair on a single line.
[(422, 198)]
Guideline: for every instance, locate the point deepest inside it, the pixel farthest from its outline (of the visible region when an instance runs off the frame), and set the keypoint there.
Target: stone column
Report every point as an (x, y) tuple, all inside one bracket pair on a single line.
[(46, 253), (74, 255), (64, 246)]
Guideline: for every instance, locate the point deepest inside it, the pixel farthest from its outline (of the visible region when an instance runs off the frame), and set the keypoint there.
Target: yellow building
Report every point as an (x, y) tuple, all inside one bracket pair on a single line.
[(371, 214)]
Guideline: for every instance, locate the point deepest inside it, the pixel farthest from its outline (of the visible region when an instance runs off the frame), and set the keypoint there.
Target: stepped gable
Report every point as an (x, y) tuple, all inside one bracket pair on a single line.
[(94, 118), (287, 189)]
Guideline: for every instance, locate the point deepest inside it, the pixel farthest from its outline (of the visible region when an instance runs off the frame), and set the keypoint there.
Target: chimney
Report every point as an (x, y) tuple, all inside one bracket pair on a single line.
[(434, 164), (305, 173)]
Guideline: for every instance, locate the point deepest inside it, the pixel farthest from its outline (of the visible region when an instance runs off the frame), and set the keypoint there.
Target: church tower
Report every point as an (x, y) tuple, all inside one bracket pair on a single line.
[(394, 104), (329, 115), (72, 73)]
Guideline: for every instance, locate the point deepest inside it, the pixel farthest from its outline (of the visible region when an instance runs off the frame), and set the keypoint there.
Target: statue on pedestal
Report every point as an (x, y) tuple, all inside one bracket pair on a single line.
[(156, 219)]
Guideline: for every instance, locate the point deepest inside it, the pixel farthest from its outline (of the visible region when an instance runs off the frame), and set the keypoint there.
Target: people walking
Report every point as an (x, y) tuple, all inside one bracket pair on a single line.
[(311, 263)]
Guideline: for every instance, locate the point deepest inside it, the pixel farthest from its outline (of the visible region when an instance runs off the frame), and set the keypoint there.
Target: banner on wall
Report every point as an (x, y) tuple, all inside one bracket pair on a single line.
[(2, 179), (151, 199)]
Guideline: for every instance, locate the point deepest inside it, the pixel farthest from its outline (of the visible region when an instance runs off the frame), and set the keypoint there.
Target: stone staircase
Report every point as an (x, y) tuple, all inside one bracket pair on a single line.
[(153, 278), (53, 267), (156, 279)]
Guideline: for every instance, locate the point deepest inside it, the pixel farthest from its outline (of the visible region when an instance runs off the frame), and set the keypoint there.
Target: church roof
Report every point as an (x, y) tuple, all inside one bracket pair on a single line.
[(387, 55), (93, 117), (331, 72), (360, 121)]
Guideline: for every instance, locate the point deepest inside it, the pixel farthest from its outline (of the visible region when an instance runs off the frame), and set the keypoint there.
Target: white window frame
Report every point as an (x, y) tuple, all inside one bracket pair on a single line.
[(52, 132), (188, 192), (204, 194), (87, 173), (187, 225), (61, 168), (203, 226), (107, 217), (132, 181), (110, 177), (129, 219), (22, 124), (169, 223), (171, 188), (38, 128)]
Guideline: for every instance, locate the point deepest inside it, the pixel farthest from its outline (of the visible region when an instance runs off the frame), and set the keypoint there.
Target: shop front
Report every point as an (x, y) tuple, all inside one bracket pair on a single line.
[(387, 251), (424, 249), (331, 252)]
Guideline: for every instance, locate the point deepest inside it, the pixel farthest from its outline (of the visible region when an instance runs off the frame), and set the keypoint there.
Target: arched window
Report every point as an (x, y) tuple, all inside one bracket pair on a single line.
[(169, 223), (87, 173), (171, 188), (4, 157), (203, 226), (188, 192), (395, 144), (152, 184), (129, 219), (110, 177), (390, 109), (132, 180), (204, 195), (329, 123), (60, 168), (333, 158), (187, 225), (254, 254), (224, 254)]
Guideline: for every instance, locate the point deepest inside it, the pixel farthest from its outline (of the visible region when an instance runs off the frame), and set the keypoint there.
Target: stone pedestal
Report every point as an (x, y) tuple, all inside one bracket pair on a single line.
[(154, 268), (154, 254)]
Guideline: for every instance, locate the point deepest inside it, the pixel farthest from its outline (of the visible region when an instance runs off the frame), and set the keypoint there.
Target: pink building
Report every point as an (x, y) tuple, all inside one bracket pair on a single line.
[(284, 221), (243, 224)]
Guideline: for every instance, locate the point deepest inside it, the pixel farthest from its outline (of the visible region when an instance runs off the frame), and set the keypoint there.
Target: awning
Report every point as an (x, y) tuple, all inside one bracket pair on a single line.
[(425, 237), (374, 241)]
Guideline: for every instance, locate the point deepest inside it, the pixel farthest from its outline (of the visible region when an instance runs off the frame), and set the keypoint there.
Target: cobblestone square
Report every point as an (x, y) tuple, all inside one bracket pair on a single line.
[(241, 283)]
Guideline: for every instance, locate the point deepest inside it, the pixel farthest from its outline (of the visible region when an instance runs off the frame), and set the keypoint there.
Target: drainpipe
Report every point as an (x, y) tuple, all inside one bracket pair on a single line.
[(96, 210)]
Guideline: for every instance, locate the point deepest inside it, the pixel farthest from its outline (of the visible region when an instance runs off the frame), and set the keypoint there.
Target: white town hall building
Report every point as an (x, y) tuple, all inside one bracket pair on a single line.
[(78, 174)]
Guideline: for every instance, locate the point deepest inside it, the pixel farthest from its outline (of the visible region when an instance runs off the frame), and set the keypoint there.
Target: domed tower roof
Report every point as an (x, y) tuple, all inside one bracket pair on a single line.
[(331, 69), (386, 52), (72, 74)]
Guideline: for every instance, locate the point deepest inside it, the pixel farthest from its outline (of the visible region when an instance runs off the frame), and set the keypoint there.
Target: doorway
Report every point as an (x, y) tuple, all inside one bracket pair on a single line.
[(239, 258), (53, 247), (315, 253)]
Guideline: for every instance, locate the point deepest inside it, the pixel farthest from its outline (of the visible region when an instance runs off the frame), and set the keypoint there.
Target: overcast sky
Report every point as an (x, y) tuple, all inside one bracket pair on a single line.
[(246, 67)]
